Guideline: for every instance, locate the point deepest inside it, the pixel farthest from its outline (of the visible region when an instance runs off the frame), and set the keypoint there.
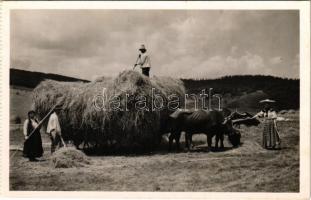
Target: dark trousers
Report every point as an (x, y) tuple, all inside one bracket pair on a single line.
[(145, 71), (55, 141)]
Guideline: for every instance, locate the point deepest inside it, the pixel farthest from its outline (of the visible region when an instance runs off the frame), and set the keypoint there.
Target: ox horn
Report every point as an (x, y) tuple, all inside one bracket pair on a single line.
[(226, 120)]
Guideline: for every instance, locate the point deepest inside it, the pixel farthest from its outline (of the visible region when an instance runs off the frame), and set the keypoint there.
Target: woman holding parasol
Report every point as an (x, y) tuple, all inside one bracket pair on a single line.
[(270, 134)]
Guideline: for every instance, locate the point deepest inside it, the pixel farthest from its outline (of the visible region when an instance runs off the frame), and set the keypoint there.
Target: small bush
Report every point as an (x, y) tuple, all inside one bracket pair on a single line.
[(16, 120)]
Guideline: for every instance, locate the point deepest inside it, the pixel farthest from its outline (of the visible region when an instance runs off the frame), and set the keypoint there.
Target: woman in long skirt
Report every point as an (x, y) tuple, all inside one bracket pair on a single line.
[(33, 143), (270, 134)]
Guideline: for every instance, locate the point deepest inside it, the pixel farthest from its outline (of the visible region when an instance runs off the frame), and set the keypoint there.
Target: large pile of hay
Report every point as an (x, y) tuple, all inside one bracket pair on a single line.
[(74, 99), (69, 157), (134, 125)]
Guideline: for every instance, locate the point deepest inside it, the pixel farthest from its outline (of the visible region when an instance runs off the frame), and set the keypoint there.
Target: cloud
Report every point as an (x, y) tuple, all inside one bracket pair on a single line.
[(215, 66), (276, 60), (205, 44)]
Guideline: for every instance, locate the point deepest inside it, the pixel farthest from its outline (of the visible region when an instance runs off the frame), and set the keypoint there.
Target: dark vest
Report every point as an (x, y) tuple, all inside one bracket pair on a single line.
[(30, 128)]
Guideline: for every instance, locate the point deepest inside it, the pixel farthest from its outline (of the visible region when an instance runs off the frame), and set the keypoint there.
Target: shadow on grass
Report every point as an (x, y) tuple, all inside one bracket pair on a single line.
[(162, 149), (212, 149)]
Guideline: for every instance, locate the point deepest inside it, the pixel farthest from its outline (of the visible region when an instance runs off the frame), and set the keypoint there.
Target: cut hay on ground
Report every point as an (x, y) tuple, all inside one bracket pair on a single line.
[(135, 124), (69, 157)]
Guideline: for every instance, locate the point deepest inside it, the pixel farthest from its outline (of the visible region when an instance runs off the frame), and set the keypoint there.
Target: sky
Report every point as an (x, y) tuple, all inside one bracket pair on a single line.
[(181, 43)]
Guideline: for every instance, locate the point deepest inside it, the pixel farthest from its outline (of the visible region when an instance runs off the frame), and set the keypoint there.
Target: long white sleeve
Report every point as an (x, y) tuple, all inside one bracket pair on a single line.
[(53, 124), (144, 60), (272, 115), (260, 114), (25, 127)]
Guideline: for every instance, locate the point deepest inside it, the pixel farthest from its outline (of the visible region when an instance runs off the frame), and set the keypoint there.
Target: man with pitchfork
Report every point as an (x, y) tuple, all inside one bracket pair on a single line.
[(54, 129), (143, 60)]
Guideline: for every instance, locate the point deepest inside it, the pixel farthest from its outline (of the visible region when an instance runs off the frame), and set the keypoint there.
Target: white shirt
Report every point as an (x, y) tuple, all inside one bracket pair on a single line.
[(33, 123), (144, 60), (270, 115), (53, 124)]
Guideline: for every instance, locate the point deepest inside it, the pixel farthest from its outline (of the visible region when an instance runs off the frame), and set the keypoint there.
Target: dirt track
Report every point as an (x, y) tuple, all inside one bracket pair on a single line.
[(248, 168)]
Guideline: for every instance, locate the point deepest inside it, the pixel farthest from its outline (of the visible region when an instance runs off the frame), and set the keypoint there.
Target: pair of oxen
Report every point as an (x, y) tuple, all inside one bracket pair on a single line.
[(212, 123)]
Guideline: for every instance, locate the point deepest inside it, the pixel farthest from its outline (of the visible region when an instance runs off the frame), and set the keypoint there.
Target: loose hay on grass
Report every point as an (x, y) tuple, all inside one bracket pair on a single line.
[(69, 157)]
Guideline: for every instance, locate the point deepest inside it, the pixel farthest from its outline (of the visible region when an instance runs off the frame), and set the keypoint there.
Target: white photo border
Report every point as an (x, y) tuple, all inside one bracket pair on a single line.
[(304, 14)]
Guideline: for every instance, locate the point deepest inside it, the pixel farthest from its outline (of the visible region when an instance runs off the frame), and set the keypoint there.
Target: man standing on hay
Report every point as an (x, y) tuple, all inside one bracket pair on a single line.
[(143, 61), (54, 129)]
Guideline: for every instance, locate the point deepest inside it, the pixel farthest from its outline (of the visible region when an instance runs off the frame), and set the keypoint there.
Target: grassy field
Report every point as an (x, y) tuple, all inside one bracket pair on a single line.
[(20, 102), (248, 168)]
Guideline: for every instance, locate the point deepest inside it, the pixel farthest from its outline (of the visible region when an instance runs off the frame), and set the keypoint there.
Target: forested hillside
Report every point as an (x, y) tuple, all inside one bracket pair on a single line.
[(30, 79), (237, 91), (246, 90)]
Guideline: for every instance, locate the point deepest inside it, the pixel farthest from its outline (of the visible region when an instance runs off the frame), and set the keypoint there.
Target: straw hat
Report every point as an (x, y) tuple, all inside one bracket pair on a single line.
[(142, 47), (267, 101)]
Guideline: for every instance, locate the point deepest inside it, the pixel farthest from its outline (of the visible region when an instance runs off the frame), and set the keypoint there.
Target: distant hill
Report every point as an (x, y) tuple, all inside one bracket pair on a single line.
[(237, 91), (249, 100), (31, 79), (247, 90)]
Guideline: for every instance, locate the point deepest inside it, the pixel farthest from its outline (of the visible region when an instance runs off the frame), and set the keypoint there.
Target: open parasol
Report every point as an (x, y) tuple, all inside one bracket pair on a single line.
[(267, 101)]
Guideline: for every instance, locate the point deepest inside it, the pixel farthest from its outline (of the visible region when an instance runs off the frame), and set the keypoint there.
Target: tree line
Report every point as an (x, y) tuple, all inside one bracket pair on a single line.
[(284, 90)]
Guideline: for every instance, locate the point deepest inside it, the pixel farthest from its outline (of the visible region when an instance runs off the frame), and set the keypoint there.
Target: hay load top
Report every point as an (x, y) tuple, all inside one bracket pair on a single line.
[(125, 112)]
